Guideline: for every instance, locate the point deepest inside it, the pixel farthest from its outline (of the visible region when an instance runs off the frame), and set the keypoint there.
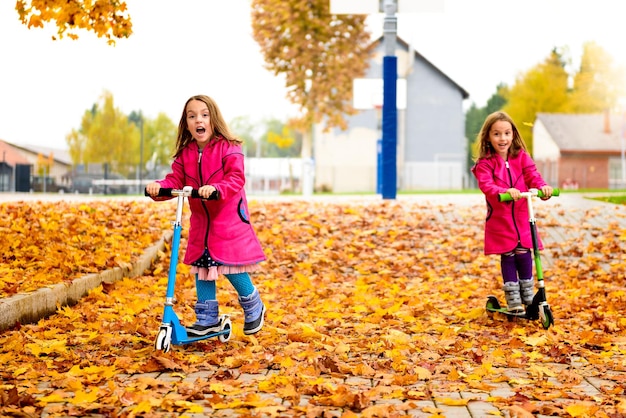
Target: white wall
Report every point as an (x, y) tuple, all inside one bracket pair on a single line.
[(433, 176), (544, 147), (346, 162)]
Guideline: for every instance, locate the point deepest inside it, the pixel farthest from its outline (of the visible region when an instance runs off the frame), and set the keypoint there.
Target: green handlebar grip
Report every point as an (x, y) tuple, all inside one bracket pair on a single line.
[(505, 197)]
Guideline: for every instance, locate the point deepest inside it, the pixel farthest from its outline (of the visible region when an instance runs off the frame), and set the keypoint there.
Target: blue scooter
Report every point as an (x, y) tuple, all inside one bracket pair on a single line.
[(171, 331)]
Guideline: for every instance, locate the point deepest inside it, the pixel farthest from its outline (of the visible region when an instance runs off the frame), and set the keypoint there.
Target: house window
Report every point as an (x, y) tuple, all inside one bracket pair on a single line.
[(616, 174), (5, 177)]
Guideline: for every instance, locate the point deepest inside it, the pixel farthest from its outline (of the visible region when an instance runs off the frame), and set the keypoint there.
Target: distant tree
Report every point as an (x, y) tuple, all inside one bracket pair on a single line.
[(497, 101), (247, 131), (105, 18), (474, 118), (543, 88), (76, 139), (137, 119), (280, 141), (283, 140), (159, 139), (597, 86), (318, 53), (269, 138), (105, 136), (598, 83)]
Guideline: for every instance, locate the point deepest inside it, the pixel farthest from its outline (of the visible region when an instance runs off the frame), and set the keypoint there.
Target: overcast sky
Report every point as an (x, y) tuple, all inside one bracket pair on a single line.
[(189, 47)]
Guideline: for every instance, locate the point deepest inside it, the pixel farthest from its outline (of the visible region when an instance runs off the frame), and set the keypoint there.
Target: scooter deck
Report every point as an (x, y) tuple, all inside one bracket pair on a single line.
[(173, 333), (493, 305), (181, 335), (195, 338), (505, 311), (187, 338), (531, 312), (511, 314)]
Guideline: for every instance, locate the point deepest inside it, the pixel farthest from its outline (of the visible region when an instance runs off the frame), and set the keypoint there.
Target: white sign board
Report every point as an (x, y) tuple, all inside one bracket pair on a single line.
[(368, 7), (353, 7), (367, 93)]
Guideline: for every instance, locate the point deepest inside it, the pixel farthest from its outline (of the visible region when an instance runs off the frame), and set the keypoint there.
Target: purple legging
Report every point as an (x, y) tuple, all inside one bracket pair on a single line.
[(509, 271), (524, 263), (516, 262)]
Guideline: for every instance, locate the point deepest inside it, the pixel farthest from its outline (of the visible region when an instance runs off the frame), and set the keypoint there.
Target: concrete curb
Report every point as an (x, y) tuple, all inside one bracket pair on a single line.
[(31, 307)]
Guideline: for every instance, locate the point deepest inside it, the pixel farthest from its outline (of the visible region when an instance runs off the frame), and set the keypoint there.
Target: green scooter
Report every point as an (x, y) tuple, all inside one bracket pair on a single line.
[(539, 308)]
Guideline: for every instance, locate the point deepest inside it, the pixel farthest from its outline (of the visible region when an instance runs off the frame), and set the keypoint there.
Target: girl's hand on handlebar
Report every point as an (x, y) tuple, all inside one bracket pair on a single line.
[(547, 192), (205, 191), (153, 188), (514, 193)]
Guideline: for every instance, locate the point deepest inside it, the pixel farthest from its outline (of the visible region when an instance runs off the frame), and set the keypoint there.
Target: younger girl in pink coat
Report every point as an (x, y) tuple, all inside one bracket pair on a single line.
[(504, 166), (221, 240)]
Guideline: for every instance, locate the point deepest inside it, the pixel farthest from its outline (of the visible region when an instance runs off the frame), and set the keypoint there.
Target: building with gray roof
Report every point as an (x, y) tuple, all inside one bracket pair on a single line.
[(581, 150)]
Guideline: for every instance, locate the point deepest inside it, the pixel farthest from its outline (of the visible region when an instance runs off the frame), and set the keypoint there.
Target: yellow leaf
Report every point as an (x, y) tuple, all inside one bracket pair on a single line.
[(537, 340), (84, 397), (621, 406), (584, 409), (422, 373), (452, 402), (416, 394), (473, 314), (20, 371), (541, 371), (54, 397), (286, 362), (191, 407), (342, 348), (431, 410), (141, 407)]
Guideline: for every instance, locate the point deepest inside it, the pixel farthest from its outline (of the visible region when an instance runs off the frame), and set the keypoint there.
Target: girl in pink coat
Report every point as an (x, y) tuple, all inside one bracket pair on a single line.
[(504, 166), (209, 158)]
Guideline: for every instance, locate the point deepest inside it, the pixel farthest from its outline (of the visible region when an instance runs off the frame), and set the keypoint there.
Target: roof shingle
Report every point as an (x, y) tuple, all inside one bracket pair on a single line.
[(584, 132)]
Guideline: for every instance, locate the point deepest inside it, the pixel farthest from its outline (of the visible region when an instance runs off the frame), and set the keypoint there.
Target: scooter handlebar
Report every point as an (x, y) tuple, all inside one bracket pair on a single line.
[(170, 192), (506, 197)]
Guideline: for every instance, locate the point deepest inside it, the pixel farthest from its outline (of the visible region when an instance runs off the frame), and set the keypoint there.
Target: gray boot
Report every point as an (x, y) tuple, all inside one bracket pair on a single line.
[(254, 311), (527, 289), (513, 298), (208, 321)]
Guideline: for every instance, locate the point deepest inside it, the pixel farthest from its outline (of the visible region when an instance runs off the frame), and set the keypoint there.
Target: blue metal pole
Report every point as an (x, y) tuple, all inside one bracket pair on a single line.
[(390, 112), (379, 166), (390, 127)]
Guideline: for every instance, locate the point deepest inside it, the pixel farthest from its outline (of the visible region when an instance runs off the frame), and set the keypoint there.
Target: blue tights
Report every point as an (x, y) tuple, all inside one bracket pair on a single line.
[(207, 289)]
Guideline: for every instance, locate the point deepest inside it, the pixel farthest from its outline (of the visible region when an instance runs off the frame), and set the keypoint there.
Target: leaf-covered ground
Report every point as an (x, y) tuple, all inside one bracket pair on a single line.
[(373, 308), (45, 243)]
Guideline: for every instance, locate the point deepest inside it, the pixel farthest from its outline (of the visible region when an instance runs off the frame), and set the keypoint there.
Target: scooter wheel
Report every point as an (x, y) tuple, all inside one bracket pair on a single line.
[(546, 317), (492, 303), (162, 342), (226, 328)]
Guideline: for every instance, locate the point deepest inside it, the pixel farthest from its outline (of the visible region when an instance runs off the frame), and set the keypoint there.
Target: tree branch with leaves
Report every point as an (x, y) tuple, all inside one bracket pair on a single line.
[(105, 18), (318, 53)]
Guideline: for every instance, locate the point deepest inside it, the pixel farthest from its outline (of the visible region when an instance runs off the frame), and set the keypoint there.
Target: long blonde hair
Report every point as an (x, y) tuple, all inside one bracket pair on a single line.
[(218, 124), (484, 144)]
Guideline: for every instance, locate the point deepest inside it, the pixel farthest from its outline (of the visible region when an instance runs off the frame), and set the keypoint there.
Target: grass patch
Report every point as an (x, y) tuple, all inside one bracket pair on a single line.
[(617, 199)]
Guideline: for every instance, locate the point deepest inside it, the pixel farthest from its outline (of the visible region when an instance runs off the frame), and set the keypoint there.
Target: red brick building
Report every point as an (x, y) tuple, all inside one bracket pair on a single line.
[(10, 158), (18, 165), (580, 150)]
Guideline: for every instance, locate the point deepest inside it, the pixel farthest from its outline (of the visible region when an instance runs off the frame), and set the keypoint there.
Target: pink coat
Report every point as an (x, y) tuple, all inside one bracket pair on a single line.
[(507, 224), (222, 226)]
